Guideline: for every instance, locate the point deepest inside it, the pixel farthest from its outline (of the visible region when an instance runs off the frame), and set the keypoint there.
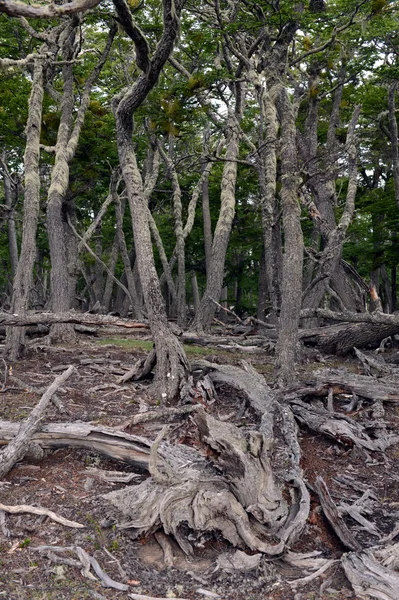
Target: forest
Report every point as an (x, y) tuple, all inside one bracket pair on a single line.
[(199, 326)]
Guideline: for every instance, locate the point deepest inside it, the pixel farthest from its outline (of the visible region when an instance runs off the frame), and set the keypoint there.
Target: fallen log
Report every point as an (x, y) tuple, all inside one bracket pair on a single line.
[(114, 444), (341, 428), (31, 318), (341, 339)]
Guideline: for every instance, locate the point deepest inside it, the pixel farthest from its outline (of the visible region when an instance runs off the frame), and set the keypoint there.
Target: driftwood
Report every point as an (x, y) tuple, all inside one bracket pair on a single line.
[(19, 445), (186, 490), (240, 490), (370, 578)]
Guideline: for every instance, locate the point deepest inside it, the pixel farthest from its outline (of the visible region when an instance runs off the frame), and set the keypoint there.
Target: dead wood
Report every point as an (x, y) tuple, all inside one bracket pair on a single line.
[(86, 561), (141, 369), (186, 490), (376, 317), (362, 385), (370, 578), (161, 414), (246, 380), (36, 510), (341, 339), (372, 366), (104, 440), (238, 562), (19, 445), (341, 428), (332, 513), (70, 317)]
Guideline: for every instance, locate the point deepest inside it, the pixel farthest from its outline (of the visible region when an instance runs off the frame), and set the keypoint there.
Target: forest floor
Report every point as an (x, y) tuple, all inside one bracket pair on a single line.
[(64, 482)]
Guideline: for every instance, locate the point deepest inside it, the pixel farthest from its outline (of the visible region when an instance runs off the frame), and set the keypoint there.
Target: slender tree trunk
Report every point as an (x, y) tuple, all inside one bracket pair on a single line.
[(24, 274), (293, 244), (10, 196), (267, 174), (206, 218), (119, 210), (215, 275), (109, 283), (67, 141), (180, 242), (393, 130), (172, 365)]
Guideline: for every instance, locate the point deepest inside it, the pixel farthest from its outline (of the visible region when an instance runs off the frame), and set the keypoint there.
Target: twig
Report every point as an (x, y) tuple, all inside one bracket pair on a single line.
[(227, 310), (35, 510)]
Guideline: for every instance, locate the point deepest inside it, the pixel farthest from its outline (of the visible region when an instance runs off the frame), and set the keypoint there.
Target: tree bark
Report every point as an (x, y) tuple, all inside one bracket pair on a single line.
[(24, 275), (293, 245), (172, 365), (215, 275)]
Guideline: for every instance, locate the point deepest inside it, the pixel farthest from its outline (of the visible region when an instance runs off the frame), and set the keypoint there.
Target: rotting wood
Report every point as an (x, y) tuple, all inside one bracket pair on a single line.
[(331, 512), (35, 510), (19, 445)]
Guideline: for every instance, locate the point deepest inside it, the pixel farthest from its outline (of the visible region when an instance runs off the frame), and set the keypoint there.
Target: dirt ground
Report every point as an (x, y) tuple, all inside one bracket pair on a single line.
[(62, 481)]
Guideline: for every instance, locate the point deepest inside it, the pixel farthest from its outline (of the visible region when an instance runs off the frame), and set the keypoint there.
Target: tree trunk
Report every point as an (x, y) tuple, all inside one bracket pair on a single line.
[(293, 244), (215, 276), (67, 141), (10, 197), (267, 174), (24, 275), (119, 210), (109, 283), (172, 365)]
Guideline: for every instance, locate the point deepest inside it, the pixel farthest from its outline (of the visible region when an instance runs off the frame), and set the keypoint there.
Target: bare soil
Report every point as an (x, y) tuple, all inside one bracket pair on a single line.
[(61, 482)]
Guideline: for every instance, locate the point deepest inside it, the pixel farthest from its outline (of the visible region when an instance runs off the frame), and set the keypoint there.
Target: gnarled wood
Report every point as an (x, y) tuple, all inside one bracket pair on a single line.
[(369, 578)]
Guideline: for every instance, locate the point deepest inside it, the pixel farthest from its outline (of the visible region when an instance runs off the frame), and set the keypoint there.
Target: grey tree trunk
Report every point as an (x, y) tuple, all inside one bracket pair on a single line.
[(24, 274), (267, 174), (330, 275), (67, 141), (10, 197), (119, 210), (293, 244), (331, 255), (215, 275), (172, 366)]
